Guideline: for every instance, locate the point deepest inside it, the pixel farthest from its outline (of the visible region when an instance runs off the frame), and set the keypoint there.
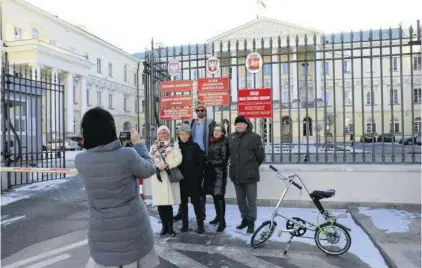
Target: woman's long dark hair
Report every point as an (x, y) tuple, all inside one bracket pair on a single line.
[(98, 128)]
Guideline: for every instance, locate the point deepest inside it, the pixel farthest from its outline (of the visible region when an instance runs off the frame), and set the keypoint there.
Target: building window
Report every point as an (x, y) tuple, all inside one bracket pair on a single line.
[(35, 34), (371, 127), (325, 68), (417, 126), (125, 73), (417, 95), (98, 65), (394, 65), (348, 97), (395, 97), (305, 69), (348, 126), (347, 67), (267, 69), (18, 33), (99, 98), (88, 102), (144, 79), (125, 104), (395, 126), (285, 97), (110, 101), (370, 98), (285, 68), (417, 63), (110, 69), (75, 97)]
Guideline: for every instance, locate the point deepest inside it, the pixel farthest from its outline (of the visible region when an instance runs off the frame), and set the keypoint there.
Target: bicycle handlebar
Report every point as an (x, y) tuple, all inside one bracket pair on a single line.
[(289, 178)]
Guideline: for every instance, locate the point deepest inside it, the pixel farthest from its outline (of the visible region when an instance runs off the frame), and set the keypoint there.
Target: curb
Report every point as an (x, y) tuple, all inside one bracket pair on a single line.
[(384, 254)]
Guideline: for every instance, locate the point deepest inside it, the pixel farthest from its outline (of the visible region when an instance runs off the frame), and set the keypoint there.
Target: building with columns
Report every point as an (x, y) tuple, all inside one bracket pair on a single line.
[(92, 71), (363, 90)]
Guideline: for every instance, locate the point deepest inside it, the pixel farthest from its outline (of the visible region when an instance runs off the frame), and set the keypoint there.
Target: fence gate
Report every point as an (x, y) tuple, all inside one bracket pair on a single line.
[(32, 123), (340, 98)]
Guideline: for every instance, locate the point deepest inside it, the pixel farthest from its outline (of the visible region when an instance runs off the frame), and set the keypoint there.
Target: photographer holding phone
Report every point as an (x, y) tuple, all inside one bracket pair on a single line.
[(166, 155), (119, 230)]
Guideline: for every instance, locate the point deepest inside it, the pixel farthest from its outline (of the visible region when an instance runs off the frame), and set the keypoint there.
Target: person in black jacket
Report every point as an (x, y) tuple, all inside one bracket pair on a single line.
[(246, 155), (191, 168), (216, 174)]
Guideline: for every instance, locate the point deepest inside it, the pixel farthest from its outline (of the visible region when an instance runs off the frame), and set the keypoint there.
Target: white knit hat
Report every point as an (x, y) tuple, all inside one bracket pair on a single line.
[(163, 127)]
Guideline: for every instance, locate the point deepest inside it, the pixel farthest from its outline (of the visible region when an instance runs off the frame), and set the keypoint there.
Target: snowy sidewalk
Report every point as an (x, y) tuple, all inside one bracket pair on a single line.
[(396, 232)]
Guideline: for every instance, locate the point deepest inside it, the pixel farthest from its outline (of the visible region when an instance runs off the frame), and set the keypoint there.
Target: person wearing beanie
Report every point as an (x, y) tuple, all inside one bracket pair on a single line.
[(246, 155), (201, 132)]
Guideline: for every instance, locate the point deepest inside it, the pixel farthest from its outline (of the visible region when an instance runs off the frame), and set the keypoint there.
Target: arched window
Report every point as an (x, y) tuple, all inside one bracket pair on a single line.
[(35, 33)]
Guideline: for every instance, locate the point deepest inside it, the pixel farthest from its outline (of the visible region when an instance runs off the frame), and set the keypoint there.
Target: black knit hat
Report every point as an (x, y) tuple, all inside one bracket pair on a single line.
[(241, 119)]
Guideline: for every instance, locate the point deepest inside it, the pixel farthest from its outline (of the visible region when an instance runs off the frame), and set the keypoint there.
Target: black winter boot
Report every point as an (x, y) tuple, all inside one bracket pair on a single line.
[(170, 230), (201, 229), (242, 225), (164, 222), (185, 218), (221, 215), (178, 216), (251, 227), (217, 211)]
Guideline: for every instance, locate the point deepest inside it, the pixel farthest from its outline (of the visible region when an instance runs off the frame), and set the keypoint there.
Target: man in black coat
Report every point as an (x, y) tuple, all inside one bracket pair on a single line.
[(246, 155)]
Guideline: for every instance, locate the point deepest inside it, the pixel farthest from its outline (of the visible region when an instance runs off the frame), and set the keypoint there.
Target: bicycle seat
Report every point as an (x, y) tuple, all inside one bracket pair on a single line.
[(323, 194)]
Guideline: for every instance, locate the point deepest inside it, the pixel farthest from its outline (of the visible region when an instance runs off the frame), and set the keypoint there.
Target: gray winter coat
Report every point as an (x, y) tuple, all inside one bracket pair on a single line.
[(119, 229)]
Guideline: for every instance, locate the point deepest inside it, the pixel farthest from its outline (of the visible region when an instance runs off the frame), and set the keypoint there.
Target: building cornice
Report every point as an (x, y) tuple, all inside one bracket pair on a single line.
[(74, 28)]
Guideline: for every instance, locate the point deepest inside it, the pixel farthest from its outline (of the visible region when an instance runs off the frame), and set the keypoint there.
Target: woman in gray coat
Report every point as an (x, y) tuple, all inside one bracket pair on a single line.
[(119, 231)]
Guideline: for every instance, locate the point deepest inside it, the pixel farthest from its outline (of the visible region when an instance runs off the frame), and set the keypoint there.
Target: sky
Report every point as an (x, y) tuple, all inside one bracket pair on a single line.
[(131, 24)]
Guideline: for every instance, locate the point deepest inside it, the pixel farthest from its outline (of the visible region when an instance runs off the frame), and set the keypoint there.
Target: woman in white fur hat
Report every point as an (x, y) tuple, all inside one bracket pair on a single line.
[(165, 193)]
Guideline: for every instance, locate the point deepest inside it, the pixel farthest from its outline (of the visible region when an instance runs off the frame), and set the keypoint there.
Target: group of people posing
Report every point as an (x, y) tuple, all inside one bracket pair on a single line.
[(119, 229), (202, 153)]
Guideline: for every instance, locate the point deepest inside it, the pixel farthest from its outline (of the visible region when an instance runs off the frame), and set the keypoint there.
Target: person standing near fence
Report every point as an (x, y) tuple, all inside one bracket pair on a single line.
[(216, 174), (246, 155), (201, 129), (119, 230), (166, 155), (190, 186)]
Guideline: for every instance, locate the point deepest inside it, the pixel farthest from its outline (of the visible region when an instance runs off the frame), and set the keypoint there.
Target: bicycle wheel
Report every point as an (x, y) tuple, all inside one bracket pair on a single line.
[(268, 231), (333, 233)]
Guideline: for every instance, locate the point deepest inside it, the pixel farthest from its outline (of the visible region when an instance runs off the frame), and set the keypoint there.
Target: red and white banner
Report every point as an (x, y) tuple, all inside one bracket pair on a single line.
[(255, 103), (176, 114), (176, 86), (214, 91), (176, 101)]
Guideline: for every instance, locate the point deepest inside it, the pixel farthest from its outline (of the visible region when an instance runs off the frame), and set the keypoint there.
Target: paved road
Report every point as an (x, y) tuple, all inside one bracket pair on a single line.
[(49, 230)]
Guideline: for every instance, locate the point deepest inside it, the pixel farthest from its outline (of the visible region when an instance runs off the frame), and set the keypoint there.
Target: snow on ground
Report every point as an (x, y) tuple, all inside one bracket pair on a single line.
[(361, 246), (390, 220), (27, 191)]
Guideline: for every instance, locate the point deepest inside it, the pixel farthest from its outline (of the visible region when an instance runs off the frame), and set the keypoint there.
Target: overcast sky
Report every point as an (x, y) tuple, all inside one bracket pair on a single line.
[(130, 24)]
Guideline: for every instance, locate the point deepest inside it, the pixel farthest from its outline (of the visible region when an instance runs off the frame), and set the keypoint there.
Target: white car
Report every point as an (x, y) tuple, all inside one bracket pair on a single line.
[(71, 145)]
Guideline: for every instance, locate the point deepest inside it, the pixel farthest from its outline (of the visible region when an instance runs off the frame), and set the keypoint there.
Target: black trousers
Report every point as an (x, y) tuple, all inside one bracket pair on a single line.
[(195, 200), (166, 214)]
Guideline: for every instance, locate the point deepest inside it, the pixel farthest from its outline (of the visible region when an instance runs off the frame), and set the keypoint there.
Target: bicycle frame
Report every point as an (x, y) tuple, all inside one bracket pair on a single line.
[(288, 183)]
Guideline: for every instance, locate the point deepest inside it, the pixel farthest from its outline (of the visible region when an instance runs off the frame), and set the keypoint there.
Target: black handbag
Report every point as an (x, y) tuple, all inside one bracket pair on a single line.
[(174, 174)]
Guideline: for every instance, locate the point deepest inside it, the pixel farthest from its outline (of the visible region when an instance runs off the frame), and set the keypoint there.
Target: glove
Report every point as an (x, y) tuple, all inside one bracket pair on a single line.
[(158, 173)]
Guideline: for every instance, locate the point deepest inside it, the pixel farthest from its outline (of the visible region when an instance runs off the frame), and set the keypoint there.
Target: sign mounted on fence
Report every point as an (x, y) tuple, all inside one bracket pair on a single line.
[(176, 114), (176, 86), (214, 91), (176, 101), (254, 62), (255, 103), (213, 64), (174, 67)]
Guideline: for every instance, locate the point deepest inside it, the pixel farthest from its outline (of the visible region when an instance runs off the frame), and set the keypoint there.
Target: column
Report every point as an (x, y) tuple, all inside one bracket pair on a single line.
[(70, 117), (82, 96), (36, 72), (55, 103)]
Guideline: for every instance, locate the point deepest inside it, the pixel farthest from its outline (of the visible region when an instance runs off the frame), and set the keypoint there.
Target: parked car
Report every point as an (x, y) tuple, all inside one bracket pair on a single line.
[(77, 139), (411, 140), (387, 137), (369, 137), (71, 144)]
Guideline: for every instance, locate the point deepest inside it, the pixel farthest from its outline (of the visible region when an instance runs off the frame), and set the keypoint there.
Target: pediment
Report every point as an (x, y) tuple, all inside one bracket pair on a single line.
[(264, 28)]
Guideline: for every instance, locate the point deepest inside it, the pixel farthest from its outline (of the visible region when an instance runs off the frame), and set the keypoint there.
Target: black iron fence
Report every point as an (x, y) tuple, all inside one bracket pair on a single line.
[(32, 127), (341, 98)]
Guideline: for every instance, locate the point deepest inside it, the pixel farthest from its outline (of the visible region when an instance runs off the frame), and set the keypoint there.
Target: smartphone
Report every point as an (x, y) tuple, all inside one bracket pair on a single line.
[(124, 137)]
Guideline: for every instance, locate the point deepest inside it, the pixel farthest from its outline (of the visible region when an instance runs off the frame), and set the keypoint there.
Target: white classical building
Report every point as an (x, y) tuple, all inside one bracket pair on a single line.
[(93, 71)]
